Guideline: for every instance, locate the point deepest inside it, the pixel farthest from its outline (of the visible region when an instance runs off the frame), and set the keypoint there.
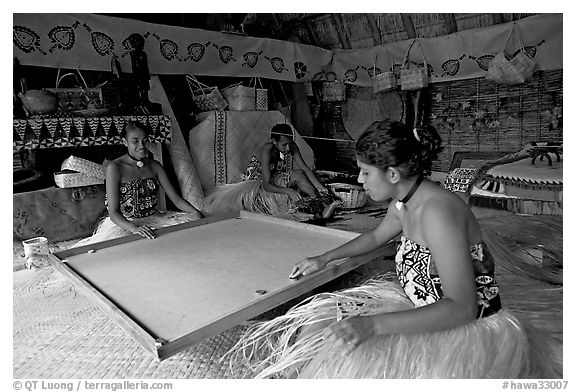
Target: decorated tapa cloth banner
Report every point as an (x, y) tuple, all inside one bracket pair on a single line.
[(88, 41), (82, 131), (462, 55)]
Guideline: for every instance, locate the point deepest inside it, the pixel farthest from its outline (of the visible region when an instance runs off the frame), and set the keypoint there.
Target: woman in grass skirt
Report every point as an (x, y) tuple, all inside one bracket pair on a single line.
[(441, 318), (276, 182), (133, 183)]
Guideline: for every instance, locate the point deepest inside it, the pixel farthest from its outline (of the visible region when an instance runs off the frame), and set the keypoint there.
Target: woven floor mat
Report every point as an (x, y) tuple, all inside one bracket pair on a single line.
[(59, 333)]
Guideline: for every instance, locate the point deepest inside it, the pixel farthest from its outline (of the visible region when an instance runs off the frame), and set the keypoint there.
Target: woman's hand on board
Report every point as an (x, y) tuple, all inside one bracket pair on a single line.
[(307, 266)]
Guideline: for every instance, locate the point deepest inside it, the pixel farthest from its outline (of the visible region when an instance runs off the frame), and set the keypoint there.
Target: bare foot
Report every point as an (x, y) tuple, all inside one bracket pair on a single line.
[(302, 216)]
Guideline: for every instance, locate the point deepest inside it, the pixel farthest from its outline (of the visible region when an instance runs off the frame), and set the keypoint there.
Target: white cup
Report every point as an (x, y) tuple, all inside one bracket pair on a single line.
[(36, 252)]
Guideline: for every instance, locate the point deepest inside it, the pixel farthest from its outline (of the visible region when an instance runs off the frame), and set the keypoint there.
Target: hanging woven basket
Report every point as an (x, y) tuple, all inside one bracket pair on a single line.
[(384, 81)]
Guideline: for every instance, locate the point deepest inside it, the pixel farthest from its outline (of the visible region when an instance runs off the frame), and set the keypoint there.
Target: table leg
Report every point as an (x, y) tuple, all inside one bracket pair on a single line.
[(542, 155)]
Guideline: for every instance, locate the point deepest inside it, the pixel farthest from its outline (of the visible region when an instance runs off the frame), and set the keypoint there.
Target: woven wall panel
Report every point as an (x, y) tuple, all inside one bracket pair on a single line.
[(476, 115), (479, 115)]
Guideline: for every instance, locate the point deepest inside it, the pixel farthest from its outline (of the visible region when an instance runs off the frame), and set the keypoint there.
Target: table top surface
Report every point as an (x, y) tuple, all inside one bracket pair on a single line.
[(188, 278)]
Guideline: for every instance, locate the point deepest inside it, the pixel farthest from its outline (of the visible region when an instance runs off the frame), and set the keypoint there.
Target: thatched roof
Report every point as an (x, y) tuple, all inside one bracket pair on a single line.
[(333, 31)]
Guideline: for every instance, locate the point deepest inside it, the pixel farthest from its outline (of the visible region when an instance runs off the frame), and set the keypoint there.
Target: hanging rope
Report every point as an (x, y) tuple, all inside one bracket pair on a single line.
[(314, 137)]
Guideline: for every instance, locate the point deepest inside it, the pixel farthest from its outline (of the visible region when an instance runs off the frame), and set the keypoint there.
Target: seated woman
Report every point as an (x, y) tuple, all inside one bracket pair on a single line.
[(443, 318), (272, 173), (133, 184)]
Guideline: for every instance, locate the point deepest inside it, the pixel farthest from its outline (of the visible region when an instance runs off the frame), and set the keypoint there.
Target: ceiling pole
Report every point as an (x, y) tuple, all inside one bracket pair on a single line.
[(374, 29), (497, 18), (408, 25), (312, 32), (278, 25), (450, 22), (339, 25)]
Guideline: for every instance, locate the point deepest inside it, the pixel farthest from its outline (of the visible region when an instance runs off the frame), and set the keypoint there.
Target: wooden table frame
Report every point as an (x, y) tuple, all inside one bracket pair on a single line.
[(161, 348)]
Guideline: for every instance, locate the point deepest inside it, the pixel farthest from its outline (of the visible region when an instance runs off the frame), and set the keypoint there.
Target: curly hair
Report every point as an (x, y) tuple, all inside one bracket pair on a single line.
[(388, 143)]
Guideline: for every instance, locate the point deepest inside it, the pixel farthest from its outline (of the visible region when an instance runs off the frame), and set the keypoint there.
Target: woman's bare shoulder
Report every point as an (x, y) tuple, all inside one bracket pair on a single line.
[(114, 165), (443, 203)]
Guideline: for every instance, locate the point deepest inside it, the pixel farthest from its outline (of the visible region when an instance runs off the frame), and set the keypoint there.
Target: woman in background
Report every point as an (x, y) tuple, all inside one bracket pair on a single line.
[(277, 182), (133, 183)]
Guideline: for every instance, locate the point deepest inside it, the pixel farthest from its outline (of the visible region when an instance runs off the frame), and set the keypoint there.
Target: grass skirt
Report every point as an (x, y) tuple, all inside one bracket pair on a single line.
[(493, 347), (524, 340), (251, 196), (108, 230)]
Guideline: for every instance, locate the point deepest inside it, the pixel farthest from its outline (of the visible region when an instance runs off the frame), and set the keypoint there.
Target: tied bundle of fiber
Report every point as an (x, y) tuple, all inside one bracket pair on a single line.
[(513, 241), (292, 345), (108, 230)]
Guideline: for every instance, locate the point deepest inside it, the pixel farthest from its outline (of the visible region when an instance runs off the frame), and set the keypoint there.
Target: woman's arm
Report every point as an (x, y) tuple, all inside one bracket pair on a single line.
[(302, 165), (444, 229), (265, 156), (171, 192), (113, 177), (387, 229)]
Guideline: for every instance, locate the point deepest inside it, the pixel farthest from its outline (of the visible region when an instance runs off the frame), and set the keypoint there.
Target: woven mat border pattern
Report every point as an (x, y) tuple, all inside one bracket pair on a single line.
[(59, 333)]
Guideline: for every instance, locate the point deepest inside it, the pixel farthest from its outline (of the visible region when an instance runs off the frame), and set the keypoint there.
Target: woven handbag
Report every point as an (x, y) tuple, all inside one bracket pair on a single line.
[(415, 78), (333, 91), (85, 166), (79, 172), (205, 98), (515, 71), (80, 97), (72, 179), (239, 97), (383, 81), (261, 94)]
